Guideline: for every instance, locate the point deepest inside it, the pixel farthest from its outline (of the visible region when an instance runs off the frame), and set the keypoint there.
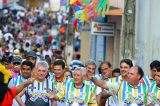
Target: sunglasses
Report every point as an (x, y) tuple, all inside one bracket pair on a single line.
[(16, 63)]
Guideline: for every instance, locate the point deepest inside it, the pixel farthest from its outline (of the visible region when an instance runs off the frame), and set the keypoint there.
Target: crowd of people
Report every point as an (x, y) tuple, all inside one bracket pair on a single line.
[(31, 82), (33, 70), (32, 29)]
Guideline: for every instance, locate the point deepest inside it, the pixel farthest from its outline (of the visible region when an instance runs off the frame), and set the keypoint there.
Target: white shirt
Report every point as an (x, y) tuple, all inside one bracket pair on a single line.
[(6, 36), (49, 52), (1, 34), (39, 39)]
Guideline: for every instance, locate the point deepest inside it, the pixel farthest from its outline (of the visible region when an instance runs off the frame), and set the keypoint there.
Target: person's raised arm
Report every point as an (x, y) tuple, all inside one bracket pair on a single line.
[(99, 83), (23, 85), (18, 98), (53, 103)]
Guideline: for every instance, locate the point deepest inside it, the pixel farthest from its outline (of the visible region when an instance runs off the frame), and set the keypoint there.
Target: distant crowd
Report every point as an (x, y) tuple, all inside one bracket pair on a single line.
[(33, 69)]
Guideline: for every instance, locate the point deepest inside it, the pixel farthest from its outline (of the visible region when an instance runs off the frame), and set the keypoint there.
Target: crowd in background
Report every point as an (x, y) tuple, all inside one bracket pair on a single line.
[(32, 57), (32, 29)]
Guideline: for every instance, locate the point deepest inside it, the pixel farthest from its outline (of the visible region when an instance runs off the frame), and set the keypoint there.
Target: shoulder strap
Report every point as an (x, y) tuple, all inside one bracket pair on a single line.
[(47, 85), (26, 94)]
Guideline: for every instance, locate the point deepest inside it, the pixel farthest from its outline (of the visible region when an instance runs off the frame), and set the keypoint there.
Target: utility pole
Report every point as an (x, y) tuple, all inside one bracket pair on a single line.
[(128, 30), (69, 39)]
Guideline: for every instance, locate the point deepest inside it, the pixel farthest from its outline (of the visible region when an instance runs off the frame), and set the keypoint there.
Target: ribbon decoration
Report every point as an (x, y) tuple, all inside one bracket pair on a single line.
[(103, 7), (72, 1), (84, 10)]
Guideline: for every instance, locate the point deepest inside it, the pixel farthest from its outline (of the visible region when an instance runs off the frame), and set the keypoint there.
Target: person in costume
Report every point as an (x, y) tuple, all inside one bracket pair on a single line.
[(75, 93), (90, 67), (58, 79), (8, 94), (149, 79), (37, 92), (125, 65), (127, 93), (154, 90), (26, 69)]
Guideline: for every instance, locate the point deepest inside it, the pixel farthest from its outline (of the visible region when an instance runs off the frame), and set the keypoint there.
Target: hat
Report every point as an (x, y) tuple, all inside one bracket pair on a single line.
[(38, 53), (16, 59), (31, 54), (16, 52)]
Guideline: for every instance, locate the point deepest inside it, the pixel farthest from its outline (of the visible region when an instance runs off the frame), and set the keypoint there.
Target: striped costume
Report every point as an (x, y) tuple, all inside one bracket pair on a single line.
[(17, 81), (77, 97), (111, 101), (154, 95), (57, 86), (94, 88), (147, 80), (51, 75), (126, 95), (37, 93), (116, 79)]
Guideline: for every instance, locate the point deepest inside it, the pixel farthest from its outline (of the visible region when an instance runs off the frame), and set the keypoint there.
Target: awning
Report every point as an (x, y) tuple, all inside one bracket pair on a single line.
[(115, 12)]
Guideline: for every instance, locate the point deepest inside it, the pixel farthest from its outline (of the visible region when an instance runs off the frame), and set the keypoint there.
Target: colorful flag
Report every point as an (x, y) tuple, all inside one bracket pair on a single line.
[(72, 1)]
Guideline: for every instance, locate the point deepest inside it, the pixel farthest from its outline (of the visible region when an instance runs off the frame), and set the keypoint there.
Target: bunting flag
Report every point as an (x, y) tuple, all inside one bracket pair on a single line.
[(78, 14), (86, 1), (84, 16), (72, 1), (84, 10)]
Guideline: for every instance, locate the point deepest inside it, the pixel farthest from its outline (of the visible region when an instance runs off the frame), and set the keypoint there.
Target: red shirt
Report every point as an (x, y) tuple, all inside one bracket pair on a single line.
[(8, 99)]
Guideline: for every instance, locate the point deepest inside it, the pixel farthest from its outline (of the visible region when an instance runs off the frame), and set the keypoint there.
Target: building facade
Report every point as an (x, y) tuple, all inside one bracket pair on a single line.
[(104, 47)]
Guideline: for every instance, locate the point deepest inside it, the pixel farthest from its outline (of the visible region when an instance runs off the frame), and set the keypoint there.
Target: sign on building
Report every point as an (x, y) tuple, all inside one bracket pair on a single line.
[(105, 29)]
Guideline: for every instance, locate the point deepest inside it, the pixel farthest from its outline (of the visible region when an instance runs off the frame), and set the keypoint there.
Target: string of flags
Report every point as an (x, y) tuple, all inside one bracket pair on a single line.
[(84, 10)]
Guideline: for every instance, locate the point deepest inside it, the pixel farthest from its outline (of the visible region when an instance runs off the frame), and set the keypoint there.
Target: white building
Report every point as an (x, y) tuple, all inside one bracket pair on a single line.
[(147, 32)]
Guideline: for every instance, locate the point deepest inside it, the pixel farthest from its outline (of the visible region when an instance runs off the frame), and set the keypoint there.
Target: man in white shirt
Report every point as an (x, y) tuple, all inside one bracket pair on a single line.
[(47, 51)]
